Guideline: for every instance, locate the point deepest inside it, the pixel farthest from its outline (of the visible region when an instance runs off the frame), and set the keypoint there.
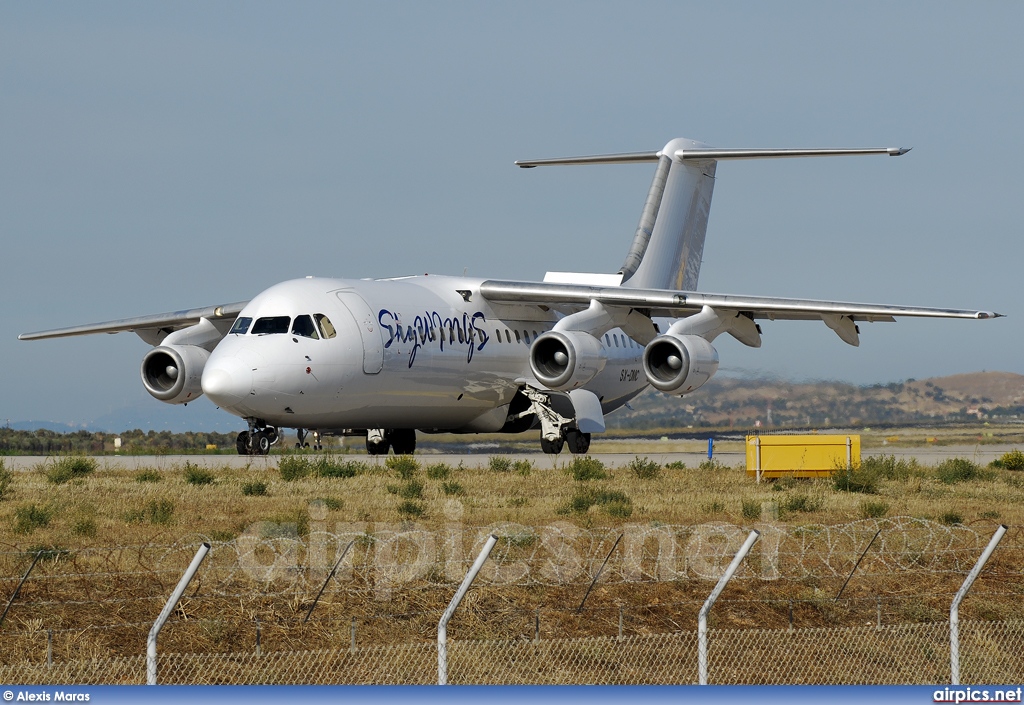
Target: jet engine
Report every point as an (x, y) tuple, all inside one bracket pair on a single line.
[(679, 364), (566, 360), (173, 373)]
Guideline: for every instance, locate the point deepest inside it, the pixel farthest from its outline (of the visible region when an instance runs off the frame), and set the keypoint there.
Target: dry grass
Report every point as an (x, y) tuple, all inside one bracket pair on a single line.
[(122, 590)]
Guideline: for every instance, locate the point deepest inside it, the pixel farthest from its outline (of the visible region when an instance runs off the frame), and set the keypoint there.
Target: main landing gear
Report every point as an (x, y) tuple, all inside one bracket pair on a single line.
[(257, 440), (301, 434), (401, 440), (556, 431)]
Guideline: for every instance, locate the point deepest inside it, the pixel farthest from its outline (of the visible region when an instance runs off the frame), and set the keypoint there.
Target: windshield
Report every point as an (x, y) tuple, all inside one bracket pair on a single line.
[(272, 324)]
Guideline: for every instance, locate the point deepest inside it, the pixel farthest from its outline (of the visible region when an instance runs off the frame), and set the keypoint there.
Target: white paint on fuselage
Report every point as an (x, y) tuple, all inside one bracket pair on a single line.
[(446, 362)]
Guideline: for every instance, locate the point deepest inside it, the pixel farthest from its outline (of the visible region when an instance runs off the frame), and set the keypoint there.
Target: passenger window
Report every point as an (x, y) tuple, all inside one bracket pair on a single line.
[(241, 325), (607, 343), (616, 340), (326, 327), (534, 335), (526, 337), (271, 324), (518, 339), (304, 326), (508, 336)]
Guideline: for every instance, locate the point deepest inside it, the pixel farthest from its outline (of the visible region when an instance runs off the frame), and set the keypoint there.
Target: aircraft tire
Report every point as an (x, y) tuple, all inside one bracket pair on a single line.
[(260, 444), (403, 441), (377, 448), (242, 443), (578, 442), (551, 447)]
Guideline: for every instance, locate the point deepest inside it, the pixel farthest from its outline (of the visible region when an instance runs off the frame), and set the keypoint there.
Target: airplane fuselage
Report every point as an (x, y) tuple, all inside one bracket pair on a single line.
[(419, 352)]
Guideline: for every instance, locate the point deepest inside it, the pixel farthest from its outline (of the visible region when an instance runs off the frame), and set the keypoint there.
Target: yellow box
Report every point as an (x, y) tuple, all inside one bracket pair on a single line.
[(801, 456)]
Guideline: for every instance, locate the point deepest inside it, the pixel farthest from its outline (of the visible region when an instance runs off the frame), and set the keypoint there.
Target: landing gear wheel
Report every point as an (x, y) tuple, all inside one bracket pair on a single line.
[(551, 447), (403, 440), (260, 443), (577, 442), (243, 443), (377, 447)]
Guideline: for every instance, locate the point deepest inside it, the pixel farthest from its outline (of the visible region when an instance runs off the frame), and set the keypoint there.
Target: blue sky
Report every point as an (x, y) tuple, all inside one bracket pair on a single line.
[(162, 156)]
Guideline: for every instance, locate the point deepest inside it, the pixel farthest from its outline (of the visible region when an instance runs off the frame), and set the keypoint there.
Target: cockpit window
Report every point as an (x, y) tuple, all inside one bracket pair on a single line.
[(271, 324), (326, 327), (241, 325), (304, 326)]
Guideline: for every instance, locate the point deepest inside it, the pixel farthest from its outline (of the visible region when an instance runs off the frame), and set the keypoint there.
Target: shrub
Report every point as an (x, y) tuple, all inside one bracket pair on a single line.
[(148, 476), (30, 517), (329, 466), (254, 489), (155, 511), (644, 469), (617, 504), (195, 475), (500, 463), (586, 468), (949, 518), (413, 489), (859, 479), (715, 506), (293, 467), (710, 464), (439, 471), (410, 509), (956, 470), (888, 467), (6, 480), (802, 503), (1014, 460), (69, 467), (676, 465), (452, 489), (751, 509), (523, 467), (873, 510), (404, 465), (332, 503), (86, 526)]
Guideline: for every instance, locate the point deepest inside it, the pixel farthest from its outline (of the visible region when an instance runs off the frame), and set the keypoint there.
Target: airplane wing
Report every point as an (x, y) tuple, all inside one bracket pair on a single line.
[(838, 315), (152, 328)]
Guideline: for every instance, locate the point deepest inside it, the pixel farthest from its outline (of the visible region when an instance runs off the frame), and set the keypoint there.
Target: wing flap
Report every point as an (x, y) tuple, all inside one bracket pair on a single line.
[(144, 324)]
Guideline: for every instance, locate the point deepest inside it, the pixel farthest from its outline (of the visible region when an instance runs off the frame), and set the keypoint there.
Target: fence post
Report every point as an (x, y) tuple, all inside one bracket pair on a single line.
[(18, 589), (757, 458), (49, 648), (442, 626), (352, 647), (954, 609), (702, 620), (166, 612), (259, 644)]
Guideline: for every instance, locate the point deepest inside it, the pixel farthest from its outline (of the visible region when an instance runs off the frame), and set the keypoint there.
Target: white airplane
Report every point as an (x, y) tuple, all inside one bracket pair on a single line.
[(386, 358)]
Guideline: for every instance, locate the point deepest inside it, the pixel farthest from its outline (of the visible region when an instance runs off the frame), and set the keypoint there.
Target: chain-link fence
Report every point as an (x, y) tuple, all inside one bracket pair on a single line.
[(897, 654)]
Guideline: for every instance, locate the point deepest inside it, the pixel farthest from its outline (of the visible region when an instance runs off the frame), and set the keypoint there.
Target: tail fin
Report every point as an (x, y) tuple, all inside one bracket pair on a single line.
[(668, 245)]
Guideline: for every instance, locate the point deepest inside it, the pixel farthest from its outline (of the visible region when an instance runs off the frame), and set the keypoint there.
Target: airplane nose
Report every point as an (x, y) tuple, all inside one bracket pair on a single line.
[(227, 383)]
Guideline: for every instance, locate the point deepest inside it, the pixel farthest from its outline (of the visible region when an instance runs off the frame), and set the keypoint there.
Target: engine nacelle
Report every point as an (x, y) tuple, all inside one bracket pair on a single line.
[(679, 364), (566, 360), (174, 373)]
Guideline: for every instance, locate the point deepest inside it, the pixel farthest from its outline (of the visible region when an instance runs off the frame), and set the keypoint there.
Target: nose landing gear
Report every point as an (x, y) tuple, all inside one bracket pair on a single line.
[(257, 440)]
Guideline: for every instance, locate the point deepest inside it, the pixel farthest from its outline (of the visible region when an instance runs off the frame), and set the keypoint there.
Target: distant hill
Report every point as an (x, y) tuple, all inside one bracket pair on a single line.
[(744, 403)]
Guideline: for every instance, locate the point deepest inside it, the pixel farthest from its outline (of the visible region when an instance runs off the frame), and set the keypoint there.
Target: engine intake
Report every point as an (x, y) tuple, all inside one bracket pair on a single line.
[(679, 364), (174, 373), (566, 360)]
